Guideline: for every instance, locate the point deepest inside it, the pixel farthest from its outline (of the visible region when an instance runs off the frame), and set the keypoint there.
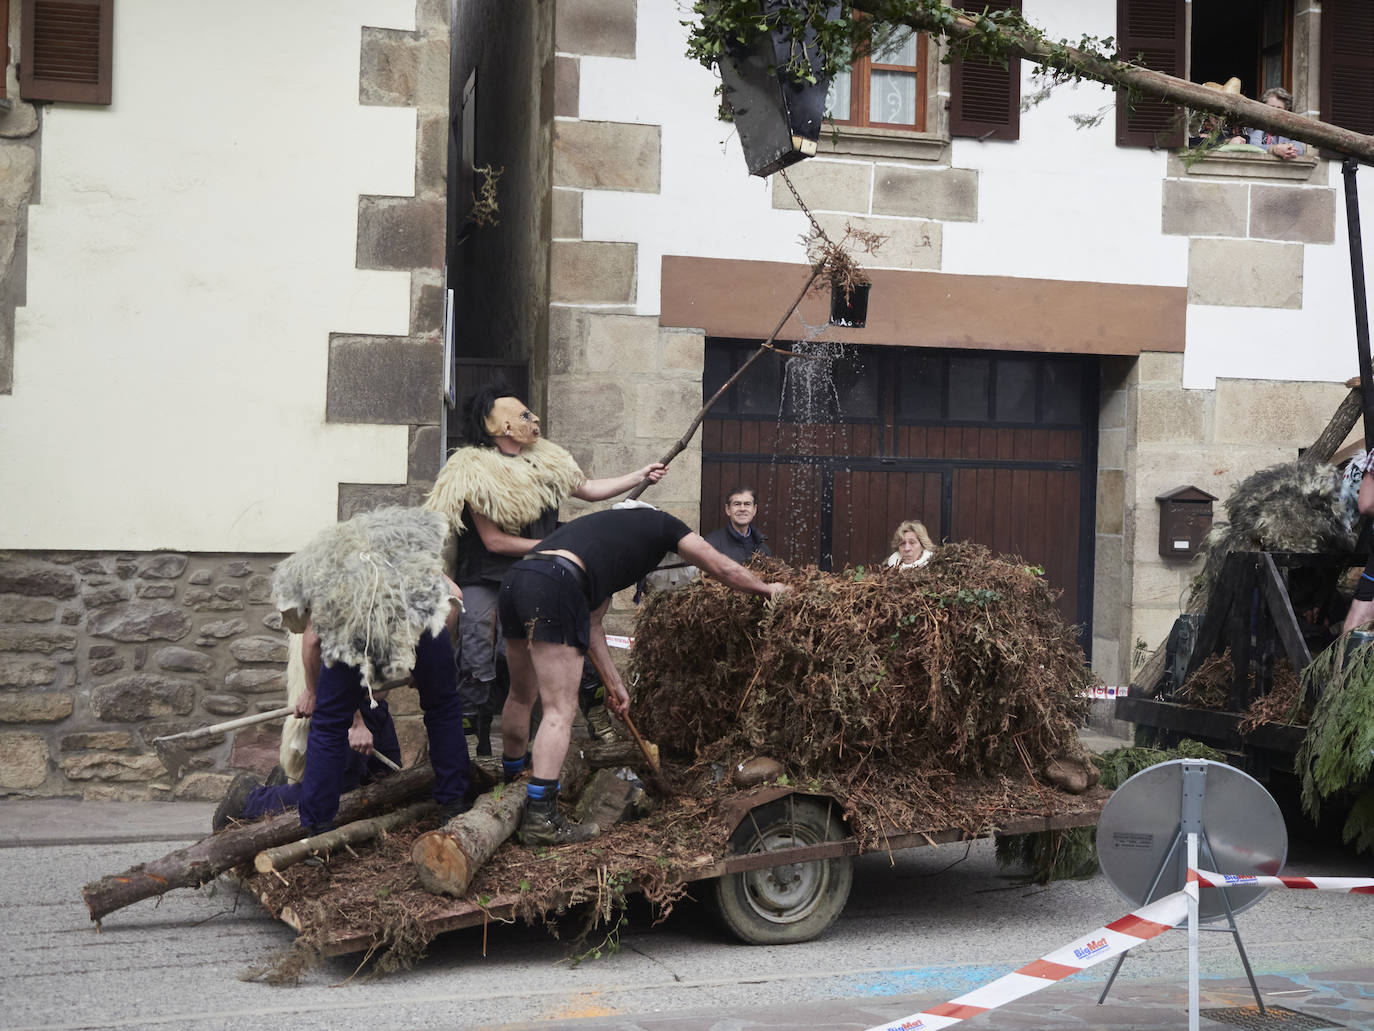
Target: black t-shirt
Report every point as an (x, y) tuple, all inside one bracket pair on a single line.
[(617, 546), (477, 565)]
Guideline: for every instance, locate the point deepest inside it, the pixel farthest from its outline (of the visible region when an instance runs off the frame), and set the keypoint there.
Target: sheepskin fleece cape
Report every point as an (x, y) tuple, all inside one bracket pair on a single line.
[(510, 490), (372, 585)]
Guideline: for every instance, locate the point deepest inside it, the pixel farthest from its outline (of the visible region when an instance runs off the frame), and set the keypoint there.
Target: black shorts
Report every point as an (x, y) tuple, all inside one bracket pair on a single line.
[(542, 600), (1364, 589)]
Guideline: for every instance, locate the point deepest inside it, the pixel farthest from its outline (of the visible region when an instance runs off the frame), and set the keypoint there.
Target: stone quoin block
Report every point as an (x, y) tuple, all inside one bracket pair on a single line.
[(402, 233), (1205, 208), (626, 345), (620, 156), (947, 194), (592, 272), (567, 214), (826, 186), (1245, 273), (604, 28), (383, 380), (1274, 412), (1294, 213), (910, 244), (566, 84)]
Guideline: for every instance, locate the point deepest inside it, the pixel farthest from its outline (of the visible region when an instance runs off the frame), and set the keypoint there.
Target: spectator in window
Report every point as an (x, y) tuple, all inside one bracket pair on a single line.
[(1279, 146), (1209, 130), (913, 545)]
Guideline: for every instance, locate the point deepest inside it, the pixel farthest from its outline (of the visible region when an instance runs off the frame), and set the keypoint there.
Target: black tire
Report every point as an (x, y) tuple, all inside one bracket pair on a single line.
[(794, 902)]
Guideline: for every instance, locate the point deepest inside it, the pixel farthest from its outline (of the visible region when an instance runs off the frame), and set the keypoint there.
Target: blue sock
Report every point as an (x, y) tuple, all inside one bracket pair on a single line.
[(512, 768), (539, 788)]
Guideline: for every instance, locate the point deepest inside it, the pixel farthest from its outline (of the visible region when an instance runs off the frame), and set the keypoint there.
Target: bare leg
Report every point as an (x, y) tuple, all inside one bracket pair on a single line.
[(558, 669), (1361, 612), (524, 689)]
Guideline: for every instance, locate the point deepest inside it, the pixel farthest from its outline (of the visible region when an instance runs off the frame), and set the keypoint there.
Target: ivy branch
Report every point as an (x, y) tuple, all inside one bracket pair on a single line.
[(825, 38)]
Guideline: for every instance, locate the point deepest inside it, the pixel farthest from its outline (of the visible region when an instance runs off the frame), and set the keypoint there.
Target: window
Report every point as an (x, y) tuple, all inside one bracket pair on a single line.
[(1246, 39), (65, 50), (1249, 40), (885, 90)]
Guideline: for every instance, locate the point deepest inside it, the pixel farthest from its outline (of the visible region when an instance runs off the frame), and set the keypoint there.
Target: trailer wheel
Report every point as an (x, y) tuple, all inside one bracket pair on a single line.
[(793, 902)]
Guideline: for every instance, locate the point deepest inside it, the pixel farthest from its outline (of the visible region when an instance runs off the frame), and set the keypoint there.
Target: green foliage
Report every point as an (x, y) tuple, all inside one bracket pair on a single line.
[(978, 598), (1359, 825), (1051, 855), (1121, 764), (820, 44), (1336, 753)]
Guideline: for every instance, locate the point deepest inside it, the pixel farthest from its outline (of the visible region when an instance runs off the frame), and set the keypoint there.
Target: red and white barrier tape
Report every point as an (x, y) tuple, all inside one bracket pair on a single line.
[(1350, 885), (1104, 943)]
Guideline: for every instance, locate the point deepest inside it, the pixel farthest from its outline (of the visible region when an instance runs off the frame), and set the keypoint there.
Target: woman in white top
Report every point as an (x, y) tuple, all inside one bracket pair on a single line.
[(913, 545)]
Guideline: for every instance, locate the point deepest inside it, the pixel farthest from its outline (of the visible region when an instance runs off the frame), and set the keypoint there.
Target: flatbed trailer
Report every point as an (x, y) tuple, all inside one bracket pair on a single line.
[(784, 876)]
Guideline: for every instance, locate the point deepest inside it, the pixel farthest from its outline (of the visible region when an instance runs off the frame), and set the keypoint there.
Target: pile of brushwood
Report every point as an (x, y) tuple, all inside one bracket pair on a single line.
[(930, 697)]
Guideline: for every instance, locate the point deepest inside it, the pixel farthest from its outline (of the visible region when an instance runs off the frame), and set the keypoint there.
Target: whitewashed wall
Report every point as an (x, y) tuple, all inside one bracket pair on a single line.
[(1060, 203), (193, 249)]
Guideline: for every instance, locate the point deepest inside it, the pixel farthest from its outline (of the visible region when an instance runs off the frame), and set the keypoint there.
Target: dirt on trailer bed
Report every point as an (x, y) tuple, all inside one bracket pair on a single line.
[(371, 901)]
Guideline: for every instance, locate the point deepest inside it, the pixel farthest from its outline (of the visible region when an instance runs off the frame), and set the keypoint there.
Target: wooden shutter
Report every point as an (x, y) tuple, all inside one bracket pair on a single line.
[(985, 98), (1347, 64), (1152, 32), (65, 50)]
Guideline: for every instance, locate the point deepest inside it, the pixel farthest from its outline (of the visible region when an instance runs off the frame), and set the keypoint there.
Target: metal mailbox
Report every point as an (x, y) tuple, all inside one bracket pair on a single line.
[(1185, 517)]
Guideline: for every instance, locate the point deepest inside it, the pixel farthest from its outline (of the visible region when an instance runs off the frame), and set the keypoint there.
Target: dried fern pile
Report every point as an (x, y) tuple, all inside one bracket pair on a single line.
[(891, 679)]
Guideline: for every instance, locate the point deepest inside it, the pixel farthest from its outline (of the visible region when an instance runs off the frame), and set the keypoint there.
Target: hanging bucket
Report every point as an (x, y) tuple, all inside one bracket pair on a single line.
[(851, 312)]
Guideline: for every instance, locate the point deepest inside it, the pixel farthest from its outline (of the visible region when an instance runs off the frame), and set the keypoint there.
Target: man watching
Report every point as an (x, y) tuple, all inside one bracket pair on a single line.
[(738, 539)]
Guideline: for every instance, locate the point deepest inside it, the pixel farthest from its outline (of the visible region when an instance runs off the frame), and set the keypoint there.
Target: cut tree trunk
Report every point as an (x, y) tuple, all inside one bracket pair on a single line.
[(195, 865), (282, 856), (446, 859)]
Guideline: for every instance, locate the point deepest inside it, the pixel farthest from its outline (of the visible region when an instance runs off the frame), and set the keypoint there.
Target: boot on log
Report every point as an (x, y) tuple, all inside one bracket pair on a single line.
[(446, 859)]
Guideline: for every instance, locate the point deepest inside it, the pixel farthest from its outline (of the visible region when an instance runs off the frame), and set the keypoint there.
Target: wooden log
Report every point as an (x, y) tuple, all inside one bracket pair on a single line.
[(446, 859), (195, 865), (282, 856), (1331, 438)]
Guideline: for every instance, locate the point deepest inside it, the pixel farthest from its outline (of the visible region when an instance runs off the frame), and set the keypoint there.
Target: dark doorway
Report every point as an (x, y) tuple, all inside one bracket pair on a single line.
[(994, 447)]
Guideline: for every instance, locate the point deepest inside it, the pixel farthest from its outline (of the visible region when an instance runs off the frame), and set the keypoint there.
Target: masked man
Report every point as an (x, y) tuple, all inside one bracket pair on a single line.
[(501, 495)]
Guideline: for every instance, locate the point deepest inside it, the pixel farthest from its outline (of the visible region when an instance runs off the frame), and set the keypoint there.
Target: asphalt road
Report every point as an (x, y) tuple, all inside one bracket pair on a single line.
[(927, 921)]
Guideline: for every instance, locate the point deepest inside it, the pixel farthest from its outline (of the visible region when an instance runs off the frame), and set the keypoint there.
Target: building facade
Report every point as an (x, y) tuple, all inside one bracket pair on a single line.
[(1065, 321)]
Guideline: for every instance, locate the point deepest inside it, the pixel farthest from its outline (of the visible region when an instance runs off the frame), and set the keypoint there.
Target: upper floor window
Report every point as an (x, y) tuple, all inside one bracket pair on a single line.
[(1253, 41), (885, 90)]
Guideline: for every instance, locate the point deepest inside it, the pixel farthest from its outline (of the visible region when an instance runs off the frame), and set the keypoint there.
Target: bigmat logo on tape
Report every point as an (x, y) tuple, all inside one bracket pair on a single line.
[(1091, 948), (907, 1025)]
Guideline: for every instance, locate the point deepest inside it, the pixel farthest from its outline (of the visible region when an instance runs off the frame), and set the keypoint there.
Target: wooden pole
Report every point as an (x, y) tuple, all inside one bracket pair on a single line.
[(767, 345), (282, 856), (955, 24)]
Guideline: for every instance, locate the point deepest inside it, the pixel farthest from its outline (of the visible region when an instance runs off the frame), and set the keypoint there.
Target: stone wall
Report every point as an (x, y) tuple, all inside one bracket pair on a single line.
[(100, 653), (1211, 439), (620, 389)]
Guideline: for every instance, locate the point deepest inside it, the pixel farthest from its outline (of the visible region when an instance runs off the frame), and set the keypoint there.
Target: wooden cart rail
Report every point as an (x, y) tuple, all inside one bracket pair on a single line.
[(501, 908)]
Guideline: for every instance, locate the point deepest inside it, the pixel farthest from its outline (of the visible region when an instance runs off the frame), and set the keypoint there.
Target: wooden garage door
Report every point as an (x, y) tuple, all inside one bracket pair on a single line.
[(993, 447)]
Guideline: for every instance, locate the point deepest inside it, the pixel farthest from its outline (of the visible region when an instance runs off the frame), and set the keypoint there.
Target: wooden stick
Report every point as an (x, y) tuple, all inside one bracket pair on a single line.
[(655, 773), (767, 345), (279, 858)]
